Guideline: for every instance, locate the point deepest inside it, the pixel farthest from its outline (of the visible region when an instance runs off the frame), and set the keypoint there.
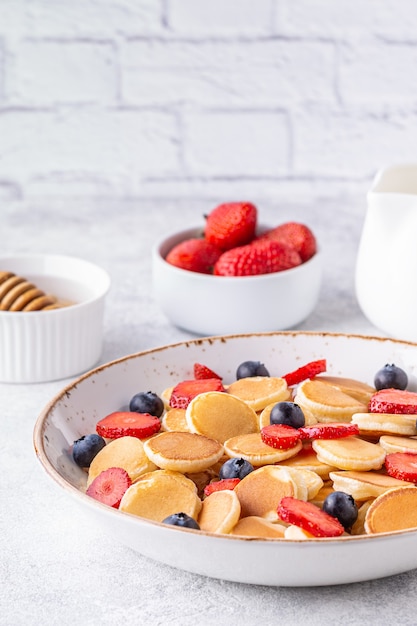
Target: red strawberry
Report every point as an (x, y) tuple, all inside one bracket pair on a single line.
[(128, 424), (296, 235), (332, 430), (109, 486), (186, 390), (194, 255), (280, 436), (260, 257), (202, 372), (232, 224), (393, 401), (306, 371), (309, 517), (220, 485), (402, 465)]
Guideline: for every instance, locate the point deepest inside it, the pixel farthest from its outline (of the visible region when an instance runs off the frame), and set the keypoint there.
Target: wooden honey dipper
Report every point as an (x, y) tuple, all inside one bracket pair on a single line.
[(18, 294)]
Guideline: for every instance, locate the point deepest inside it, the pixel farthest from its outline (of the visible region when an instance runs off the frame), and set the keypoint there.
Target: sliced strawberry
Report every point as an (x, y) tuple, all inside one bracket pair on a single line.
[(297, 235), (309, 370), (394, 401), (280, 436), (331, 430), (309, 517), (186, 390), (220, 485), (402, 465), (109, 486), (231, 224), (259, 257), (194, 255), (201, 372), (128, 424)]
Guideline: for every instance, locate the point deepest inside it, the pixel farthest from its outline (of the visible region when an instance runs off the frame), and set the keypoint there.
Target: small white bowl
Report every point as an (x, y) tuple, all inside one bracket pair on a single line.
[(41, 346), (213, 305)]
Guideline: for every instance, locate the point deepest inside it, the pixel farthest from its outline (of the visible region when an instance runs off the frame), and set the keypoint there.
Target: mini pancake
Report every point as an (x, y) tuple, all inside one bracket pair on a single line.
[(254, 526), (125, 452), (379, 424), (160, 495), (349, 453), (259, 391), (261, 491), (391, 443), (174, 420), (251, 448), (308, 482), (395, 509), (187, 482), (354, 388), (307, 459), (264, 417), (182, 452), (326, 402), (365, 485), (220, 416), (165, 396), (220, 512)]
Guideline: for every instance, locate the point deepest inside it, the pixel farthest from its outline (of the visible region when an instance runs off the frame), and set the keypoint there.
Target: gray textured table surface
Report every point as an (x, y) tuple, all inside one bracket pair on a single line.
[(56, 568)]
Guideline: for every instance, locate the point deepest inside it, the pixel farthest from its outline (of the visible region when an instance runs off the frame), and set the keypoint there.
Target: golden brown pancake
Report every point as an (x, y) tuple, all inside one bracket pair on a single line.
[(182, 452), (259, 391), (125, 452), (251, 448), (220, 512), (364, 485), (261, 491), (220, 416), (349, 453), (160, 495), (327, 403), (395, 509)]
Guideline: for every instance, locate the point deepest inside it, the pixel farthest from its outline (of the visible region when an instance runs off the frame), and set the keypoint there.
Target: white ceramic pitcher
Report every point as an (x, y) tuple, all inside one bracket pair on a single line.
[(386, 268)]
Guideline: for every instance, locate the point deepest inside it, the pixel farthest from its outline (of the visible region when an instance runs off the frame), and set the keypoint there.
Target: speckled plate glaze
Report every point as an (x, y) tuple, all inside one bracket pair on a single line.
[(276, 562)]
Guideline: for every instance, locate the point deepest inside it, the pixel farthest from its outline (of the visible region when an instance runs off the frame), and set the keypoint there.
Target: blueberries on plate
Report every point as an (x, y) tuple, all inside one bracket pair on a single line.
[(147, 402), (288, 413), (235, 468), (390, 377), (251, 368), (85, 449), (343, 507), (181, 519)]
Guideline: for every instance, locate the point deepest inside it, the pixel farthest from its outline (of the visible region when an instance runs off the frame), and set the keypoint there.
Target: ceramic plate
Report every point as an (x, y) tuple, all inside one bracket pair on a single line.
[(279, 562)]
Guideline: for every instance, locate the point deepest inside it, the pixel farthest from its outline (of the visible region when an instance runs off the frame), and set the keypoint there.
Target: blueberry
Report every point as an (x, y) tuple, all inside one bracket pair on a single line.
[(147, 402), (235, 468), (85, 449), (343, 507), (251, 368), (288, 413), (390, 377), (181, 519)]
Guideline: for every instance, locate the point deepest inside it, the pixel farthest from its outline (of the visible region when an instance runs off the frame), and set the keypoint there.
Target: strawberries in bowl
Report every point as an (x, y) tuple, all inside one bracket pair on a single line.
[(229, 245), (230, 275)]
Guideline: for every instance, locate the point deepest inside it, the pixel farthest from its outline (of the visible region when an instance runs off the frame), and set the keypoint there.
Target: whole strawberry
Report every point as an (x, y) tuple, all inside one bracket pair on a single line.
[(294, 234), (259, 257), (195, 255), (232, 224)]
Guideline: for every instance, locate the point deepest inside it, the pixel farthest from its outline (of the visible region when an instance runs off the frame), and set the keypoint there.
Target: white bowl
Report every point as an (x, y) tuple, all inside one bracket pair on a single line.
[(212, 305), (49, 345), (75, 411)]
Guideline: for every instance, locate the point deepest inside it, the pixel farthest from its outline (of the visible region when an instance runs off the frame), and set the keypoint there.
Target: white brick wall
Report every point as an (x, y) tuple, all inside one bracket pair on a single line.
[(221, 99)]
